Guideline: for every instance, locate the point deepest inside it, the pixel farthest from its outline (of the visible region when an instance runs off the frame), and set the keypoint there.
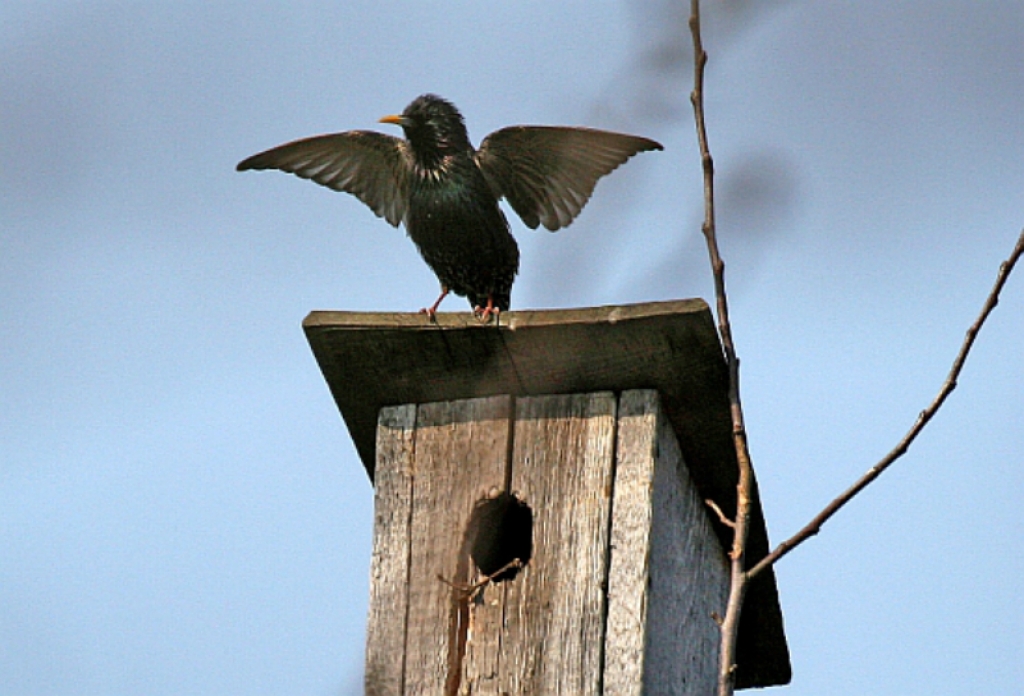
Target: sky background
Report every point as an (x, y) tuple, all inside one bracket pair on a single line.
[(181, 508)]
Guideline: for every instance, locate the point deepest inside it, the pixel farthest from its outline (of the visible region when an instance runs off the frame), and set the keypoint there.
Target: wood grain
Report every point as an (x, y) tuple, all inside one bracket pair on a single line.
[(460, 453), (562, 467), (389, 563)]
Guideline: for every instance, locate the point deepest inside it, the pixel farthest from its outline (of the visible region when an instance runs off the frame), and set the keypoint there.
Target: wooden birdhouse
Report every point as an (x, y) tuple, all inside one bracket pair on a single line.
[(540, 521)]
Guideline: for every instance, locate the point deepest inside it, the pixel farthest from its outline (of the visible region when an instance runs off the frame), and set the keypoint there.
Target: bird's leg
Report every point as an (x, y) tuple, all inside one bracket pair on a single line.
[(485, 313), (431, 311)]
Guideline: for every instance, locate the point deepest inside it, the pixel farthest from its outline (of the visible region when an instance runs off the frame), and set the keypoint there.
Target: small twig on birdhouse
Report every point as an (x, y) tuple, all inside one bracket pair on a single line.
[(472, 589), (721, 515)]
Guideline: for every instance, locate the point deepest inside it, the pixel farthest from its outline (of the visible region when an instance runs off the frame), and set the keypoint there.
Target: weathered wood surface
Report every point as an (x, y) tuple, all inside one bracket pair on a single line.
[(389, 567), (626, 570), (668, 573), (562, 467), (375, 360), (458, 452), (541, 633), (372, 360)]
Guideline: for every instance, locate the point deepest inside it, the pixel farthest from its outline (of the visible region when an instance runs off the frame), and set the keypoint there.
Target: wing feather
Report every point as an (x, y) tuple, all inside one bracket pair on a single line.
[(548, 173), (371, 166)]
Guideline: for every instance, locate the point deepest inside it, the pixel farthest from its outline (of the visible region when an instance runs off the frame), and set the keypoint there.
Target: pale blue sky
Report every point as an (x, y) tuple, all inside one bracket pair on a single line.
[(181, 508)]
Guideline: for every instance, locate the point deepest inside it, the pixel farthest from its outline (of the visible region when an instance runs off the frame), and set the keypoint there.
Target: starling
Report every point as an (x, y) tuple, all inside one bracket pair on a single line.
[(446, 192)]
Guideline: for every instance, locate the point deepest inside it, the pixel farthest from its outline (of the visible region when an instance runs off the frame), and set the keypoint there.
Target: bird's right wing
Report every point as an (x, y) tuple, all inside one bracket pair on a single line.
[(371, 166)]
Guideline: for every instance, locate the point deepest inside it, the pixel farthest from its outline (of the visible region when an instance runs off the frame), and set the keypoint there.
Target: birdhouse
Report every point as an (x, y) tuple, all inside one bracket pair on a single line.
[(540, 483)]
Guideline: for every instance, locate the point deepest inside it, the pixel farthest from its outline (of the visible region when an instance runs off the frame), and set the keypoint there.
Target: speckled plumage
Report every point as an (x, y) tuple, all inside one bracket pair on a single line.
[(446, 192)]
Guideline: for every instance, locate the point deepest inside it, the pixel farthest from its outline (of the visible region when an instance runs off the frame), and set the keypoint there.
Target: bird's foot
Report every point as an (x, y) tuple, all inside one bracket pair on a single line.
[(484, 313), (431, 311)]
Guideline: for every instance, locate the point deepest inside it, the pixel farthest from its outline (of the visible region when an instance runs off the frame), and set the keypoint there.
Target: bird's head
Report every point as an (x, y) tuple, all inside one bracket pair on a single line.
[(433, 126)]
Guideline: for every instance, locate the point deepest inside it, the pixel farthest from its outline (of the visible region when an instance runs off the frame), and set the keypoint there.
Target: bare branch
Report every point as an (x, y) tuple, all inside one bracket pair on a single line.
[(814, 526), (738, 577)]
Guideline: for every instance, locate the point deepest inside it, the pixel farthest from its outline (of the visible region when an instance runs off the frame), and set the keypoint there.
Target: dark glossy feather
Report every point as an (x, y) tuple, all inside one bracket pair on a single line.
[(372, 166), (548, 173)]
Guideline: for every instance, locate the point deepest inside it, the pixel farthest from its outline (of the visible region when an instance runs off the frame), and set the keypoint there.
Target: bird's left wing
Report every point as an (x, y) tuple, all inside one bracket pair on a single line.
[(372, 166), (547, 173)]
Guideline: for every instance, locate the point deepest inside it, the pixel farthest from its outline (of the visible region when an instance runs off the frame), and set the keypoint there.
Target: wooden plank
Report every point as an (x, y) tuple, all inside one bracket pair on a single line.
[(630, 563), (487, 641), (460, 452), (689, 581), (389, 563), (668, 573), (554, 616)]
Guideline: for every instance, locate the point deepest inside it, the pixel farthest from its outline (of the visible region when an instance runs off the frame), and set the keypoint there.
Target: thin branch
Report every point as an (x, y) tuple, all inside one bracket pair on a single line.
[(741, 523), (739, 576), (814, 526)]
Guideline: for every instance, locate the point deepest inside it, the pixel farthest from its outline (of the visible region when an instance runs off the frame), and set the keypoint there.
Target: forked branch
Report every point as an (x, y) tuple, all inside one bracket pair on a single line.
[(740, 576), (814, 526), (741, 523)]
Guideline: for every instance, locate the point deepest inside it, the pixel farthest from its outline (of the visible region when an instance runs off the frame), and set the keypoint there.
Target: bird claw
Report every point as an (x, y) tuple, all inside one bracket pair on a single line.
[(431, 311), (484, 313)]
